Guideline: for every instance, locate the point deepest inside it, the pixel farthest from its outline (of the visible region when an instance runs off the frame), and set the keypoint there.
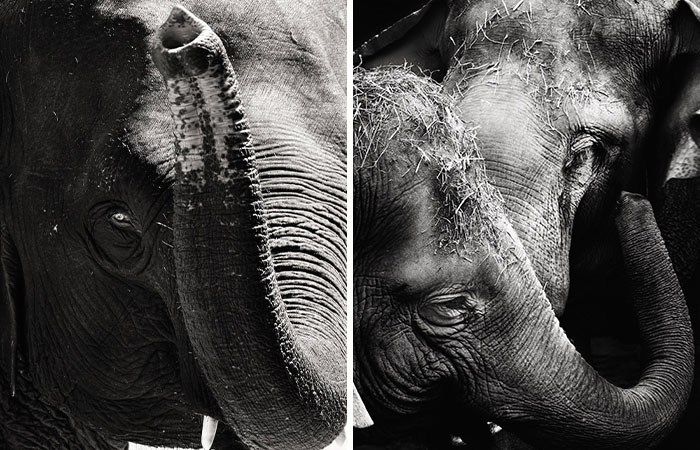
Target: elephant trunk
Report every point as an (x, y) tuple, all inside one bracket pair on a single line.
[(561, 401), (269, 388)]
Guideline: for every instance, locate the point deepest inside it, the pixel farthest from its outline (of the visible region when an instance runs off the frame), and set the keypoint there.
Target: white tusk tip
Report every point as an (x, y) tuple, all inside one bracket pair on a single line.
[(208, 431)]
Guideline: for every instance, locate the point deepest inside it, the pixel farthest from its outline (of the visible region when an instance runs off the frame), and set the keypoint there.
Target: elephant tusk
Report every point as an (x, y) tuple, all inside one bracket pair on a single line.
[(338, 443), (208, 431), (494, 428), (360, 416)]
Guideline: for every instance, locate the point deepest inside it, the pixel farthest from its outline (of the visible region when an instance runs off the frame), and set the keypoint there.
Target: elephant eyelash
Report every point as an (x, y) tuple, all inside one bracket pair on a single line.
[(447, 310), (459, 301), (446, 313), (456, 299)]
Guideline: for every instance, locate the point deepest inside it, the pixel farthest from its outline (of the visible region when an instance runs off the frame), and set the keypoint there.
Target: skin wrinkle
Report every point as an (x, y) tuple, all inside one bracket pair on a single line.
[(308, 210), (442, 364), (50, 426), (106, 334), (403, 388), (387, 221), (402, 385)]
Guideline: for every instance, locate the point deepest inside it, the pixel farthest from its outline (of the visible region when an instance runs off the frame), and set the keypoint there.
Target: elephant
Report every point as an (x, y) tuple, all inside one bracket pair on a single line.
[(453, 323), (675, 186), (173, 223), (572, 101)]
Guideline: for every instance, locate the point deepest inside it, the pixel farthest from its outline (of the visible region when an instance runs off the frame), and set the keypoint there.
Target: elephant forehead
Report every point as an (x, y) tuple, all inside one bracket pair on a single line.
[(558, 47), (67, 97), (557, 24), (408, 135)]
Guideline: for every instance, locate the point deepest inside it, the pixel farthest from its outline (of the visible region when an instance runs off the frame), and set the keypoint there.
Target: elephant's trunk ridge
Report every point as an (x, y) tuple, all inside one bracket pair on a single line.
[(203, 94), (226, 280)]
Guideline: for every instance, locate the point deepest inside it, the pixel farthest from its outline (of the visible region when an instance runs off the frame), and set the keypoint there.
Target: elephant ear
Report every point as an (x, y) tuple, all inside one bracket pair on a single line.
[(674, 158), (414, 39), (10, 292), (685, 160), (9, 262), (679, 140)]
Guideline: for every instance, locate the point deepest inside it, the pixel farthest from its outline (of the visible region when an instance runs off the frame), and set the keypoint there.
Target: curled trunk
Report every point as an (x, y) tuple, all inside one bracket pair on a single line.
[(562, 402), (273, 391)]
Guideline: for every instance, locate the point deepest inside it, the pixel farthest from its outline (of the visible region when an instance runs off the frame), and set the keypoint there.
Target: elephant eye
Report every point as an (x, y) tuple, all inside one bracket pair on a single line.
[(115, 236), (121, 220), (585, 155), (447, 310)]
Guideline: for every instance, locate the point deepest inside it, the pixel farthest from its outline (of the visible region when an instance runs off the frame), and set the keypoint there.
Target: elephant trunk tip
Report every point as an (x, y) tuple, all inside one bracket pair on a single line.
[(185, 46), (181, 28)]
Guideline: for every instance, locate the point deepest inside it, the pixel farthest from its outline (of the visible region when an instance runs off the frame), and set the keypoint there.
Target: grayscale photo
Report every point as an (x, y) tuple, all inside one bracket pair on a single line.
[(526, 224), (173, 224)]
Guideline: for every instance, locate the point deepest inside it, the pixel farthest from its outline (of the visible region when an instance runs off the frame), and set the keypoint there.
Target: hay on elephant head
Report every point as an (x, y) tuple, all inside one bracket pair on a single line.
[(393, 105)]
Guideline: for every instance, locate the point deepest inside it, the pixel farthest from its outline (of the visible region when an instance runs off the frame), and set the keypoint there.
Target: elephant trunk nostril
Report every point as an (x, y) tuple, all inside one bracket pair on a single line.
[(185, 46), (180, 29)]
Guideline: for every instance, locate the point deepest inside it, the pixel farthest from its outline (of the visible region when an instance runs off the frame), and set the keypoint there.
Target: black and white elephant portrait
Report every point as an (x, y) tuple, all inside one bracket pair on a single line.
[(572, 103), (173, 223)]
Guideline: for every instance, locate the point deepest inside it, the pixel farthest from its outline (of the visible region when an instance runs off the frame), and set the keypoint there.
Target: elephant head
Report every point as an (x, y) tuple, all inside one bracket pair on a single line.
[(154, 287), (451, 321), (566, 96)]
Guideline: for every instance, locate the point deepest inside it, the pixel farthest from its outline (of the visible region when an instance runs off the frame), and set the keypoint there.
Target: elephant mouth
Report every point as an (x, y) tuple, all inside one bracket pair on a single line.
[(200, 399)]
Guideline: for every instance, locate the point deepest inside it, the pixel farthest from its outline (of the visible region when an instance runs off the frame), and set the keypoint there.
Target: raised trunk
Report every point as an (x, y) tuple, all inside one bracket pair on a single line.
[(562, 402), (270, 388)]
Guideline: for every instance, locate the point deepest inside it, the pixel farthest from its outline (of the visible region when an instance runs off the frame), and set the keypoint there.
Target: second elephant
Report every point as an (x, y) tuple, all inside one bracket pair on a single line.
[(452, 323)]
